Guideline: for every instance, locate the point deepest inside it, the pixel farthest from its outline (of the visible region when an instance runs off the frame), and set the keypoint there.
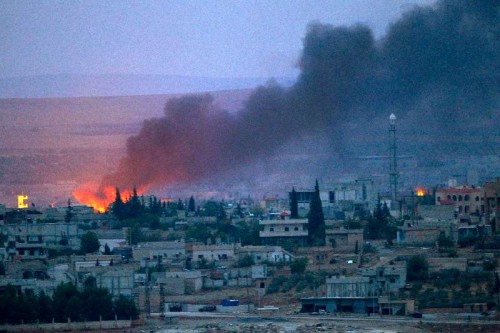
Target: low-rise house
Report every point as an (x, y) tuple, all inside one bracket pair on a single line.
[(210, 253), (416, 235), (264, 253), (438, 264), (178, 283), (162, 250), (344, 238)]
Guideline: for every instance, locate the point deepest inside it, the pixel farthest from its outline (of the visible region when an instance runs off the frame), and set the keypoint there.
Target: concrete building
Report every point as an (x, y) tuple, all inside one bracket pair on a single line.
[(344, 238), (160, 250), (466, 200), (492, 203), (264, 253), (426, 232), (276, 231), (118, 280), (210, 253), (178, 283), (344, 197), (417, 235), (30, 240), (362, 294), (386, 279)]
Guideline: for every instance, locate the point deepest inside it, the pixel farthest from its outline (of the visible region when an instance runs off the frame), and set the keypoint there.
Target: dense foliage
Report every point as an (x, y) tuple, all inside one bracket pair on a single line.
[(67, 302), (316, 219), (89, 243)]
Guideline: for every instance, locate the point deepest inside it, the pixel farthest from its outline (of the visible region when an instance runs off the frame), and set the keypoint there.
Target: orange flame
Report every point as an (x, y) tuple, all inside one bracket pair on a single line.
[(420, 192), (100, 198)]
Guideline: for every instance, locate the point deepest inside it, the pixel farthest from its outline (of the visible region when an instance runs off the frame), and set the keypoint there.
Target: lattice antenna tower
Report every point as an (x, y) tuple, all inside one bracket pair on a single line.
[(393, 169)]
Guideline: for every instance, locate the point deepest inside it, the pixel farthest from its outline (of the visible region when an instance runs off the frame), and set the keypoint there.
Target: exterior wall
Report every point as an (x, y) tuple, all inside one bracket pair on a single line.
[(349, 287), (174, 286), (386, 279), (437, 264), (47, 286), (212, 252), (346, 304), (70, 326), (30, 241), (155, 250), (492, 200), (264, 253), (418, 235), (345, 237), (117, 281), (465, 200), (180, 283), (284, 228), (439, 212)]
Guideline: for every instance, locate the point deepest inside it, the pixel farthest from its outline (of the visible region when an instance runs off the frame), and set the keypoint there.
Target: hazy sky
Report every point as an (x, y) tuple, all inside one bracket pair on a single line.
[(195, 38)]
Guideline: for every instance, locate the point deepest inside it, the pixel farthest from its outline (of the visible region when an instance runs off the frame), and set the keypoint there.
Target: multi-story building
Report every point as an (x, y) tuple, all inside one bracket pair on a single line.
[(492, 203), (386, 279), (276, 231), (466, 200), (345, 197), (30, 240)]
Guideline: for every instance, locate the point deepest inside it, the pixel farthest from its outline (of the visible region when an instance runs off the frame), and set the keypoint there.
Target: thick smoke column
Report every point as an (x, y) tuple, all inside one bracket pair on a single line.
[(435, 63)]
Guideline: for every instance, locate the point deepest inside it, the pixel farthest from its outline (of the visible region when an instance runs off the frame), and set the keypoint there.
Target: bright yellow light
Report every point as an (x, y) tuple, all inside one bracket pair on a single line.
[(22, 201), (420, 192)]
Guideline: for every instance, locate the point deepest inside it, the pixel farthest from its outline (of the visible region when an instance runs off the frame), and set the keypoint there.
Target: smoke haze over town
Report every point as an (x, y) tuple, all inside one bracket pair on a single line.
[(435, 67)]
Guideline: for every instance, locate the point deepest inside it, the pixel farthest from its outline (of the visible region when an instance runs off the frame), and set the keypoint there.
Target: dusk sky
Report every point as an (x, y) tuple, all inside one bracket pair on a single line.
[(192, 38)]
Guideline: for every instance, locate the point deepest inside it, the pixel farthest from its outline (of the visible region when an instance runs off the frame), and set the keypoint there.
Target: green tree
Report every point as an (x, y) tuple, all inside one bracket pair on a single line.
[(246, 261), (96, 302), (298, 266), (239, 211), (134, 234), (221, 212), (379, 223), (180, 205), (445, 242), (316, 219), (249, 233), (89, 243), (66, 302), (69, 212), (119, 206), (417, 268), (191, 205), (294, 206), (107, 250), (125, 308), (134, 206), (44, 308), (200, 233)]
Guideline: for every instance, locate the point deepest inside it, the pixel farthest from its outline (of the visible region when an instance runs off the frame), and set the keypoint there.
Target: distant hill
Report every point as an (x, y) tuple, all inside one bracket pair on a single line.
[(71, 85)]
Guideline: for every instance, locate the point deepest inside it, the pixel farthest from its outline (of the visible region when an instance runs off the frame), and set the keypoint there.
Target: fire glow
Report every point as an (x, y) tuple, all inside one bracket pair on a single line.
[(420, 192), (99, 198)]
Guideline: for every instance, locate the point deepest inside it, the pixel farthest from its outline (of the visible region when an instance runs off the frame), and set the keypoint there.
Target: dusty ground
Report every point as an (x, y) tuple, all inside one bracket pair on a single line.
[(302, 325)]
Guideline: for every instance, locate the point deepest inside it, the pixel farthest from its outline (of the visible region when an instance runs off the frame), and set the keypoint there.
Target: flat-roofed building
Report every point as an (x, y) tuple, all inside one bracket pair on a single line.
[(276, 231)]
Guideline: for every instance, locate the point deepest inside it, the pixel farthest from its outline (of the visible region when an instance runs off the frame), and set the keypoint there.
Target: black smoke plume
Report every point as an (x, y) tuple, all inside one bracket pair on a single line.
[(435, 65)]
